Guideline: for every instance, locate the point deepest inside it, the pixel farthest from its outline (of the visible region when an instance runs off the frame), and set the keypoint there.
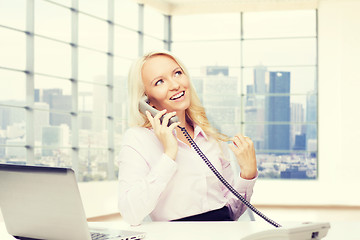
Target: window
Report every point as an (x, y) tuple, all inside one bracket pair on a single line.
[(63, 83), (258, 76), (63, 87)]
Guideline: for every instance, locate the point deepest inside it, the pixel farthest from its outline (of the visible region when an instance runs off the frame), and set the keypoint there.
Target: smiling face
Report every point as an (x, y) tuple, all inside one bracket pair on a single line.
[(166, 85)]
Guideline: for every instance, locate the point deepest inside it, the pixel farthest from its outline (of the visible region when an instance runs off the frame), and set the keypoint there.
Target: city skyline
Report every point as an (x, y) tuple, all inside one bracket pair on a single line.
[(227, 109)]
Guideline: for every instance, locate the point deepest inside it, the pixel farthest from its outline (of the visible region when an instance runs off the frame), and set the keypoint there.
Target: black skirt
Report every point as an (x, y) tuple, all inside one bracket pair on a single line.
[(222, 214)]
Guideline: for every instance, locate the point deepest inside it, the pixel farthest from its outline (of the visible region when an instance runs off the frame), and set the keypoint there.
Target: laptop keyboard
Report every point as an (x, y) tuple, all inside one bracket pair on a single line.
[(101, 236)]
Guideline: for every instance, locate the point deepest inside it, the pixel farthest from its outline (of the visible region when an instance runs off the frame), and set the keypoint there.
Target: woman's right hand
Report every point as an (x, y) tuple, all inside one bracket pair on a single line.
[(165, 133)]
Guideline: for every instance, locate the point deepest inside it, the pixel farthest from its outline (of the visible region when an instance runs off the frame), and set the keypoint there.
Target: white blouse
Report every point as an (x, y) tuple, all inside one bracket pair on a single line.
[(151, 183)]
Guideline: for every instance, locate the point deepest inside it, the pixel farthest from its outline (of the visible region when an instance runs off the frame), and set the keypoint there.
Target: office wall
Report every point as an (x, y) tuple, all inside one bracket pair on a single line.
[(339, 136), (339, 124)]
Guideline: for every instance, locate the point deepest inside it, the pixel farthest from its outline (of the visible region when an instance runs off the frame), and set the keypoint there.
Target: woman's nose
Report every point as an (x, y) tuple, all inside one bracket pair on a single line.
[(174, 84)]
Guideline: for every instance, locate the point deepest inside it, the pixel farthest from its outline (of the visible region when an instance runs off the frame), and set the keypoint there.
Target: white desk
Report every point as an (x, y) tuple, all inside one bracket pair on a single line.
[(214, 230)]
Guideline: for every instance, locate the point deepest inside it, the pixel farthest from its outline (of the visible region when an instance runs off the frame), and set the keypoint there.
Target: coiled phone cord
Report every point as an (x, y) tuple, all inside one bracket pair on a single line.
[(223, 180)]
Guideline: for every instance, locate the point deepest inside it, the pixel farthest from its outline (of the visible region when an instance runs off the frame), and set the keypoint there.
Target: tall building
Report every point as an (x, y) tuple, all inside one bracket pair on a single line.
[(41, 119), (261, 76), (250, 97), (199, 86), (297, 118), (46, 95), (278, 111), (259, 79), (9, 116), (53, 137), (60, 102), (311, 115), (217, 70), (222, 103), (251, 116), (300, 142), (57, 101), (311, 129), (4, 117), (37, 95)]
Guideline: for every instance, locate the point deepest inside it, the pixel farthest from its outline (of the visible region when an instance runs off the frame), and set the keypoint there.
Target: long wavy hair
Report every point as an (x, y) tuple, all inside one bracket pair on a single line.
[(195, 113)]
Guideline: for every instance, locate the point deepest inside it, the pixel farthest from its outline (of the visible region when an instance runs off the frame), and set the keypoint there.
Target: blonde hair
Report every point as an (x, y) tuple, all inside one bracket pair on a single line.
[(195, 112)]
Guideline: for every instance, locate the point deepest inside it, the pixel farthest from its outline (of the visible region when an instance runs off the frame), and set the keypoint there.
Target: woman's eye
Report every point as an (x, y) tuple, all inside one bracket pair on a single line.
[(158, 82), (178, 73)]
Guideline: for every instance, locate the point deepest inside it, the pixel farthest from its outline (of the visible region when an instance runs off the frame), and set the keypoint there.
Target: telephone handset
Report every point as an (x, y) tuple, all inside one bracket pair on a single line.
[(144, 106)]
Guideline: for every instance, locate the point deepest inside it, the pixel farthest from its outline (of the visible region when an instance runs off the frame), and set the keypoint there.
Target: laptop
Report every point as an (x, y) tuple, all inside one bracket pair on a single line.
[(44, 203)]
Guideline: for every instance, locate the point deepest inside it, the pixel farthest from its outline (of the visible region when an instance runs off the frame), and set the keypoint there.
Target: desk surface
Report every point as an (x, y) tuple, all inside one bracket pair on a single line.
[(213, 230)]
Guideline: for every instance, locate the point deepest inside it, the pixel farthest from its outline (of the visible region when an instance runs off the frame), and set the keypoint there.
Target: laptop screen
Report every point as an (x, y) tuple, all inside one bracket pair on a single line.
[(42, 202)]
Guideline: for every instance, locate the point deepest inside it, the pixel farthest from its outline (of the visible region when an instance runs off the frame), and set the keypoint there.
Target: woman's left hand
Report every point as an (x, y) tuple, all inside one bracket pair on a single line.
[(244, 151)]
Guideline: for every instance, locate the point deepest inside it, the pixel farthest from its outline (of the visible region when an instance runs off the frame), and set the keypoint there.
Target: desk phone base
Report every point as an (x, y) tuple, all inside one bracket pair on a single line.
[(305, 231)]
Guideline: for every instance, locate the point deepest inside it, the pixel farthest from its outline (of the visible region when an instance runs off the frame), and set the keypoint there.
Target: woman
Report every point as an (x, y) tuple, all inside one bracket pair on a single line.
[(159, 173)]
